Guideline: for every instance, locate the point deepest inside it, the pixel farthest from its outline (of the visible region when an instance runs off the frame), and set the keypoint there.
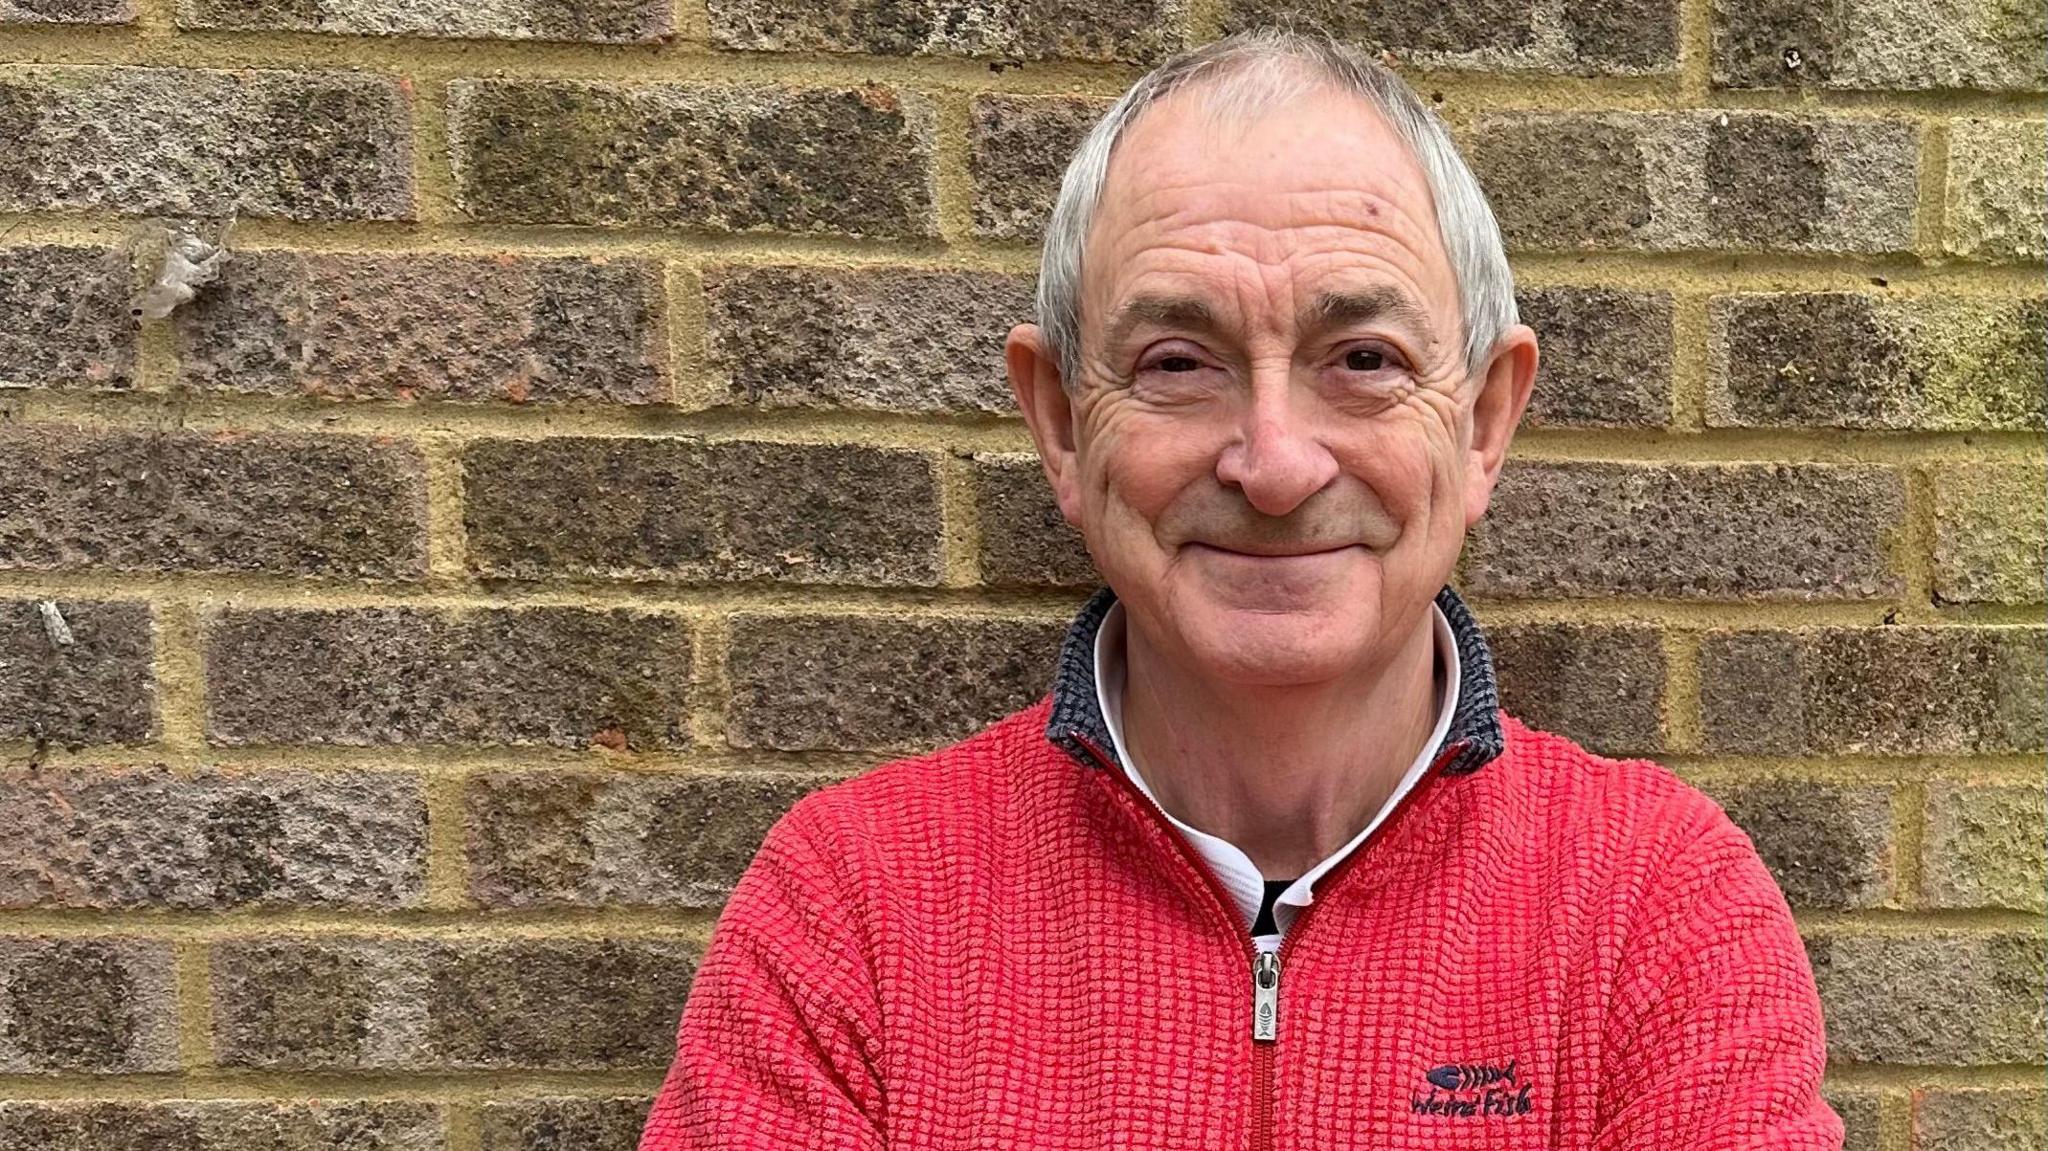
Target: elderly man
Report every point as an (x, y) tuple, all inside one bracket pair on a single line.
[(1269, 867)]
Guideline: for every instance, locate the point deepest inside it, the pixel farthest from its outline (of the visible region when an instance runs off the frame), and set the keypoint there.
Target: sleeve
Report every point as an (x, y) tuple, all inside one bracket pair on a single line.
[(779, 1041), (1714, 1040)]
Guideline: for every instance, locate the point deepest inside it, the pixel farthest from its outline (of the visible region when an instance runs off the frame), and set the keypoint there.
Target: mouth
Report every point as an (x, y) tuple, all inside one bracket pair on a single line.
[(1276, 551)]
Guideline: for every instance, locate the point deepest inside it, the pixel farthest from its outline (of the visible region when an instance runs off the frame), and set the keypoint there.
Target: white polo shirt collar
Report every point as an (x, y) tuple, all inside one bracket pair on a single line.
[(1231, 865)]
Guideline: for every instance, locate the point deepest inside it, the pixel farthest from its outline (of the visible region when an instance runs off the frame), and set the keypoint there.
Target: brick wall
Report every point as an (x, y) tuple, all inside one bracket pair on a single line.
[(597, 439)]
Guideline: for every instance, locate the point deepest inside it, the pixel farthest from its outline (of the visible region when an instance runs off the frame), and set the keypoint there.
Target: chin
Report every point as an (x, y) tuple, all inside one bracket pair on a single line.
[(1298, 643)]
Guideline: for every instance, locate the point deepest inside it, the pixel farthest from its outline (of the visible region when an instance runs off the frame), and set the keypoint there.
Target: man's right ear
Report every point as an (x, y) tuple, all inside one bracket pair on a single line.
[(1042, 397)]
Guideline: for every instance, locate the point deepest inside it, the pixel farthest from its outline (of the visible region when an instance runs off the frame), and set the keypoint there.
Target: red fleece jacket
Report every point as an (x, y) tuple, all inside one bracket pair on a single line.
[(1004, 945)]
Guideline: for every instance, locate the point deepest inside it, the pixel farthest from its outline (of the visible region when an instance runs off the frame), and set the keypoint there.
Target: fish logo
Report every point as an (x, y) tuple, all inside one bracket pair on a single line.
[(1470, 1076), (1475, 1090)]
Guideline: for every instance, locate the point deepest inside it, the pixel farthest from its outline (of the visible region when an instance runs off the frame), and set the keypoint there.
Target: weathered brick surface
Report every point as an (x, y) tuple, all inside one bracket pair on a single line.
[(1898, 44), (1602, 686), (301, 145), (549, 676), (1686, 181), (1860, 1112), (86, 1004), (853, 682), (64, 318), (1024, 539), (897, 339), (576, 838), (1792, 531), (1873, 690), (1983, 846), (98, 688), (1938, 997), (67, 11), (75, 499), (346, 1002), (1120, 31), (1605, 36), (1605, 357), (854, 161), (113, 838), (563, 1123), (605, 21), (372, 325), (221, 1125), (1018, 148), (1977, 1119), (1990, 546), (1997, 207), (1828, 845), (633, 508), (1856, 360)]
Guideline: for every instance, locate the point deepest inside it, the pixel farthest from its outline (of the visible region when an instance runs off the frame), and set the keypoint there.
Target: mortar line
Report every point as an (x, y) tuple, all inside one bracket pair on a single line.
[(1913, 548), (444, 520), (1931, 209), (1910, 1076), (434, 189), (447, 864), (1204, 20), (710, 685), (196, 928), (692, 386), (1895, 1121), (194, 1005), (960, 523), (463, 1126), (952, 173), (178, 665), (477, 1087), (1682, 721), (693, 23), (1909, 833), (1889, 922), (1690, 354), (1695, 51)]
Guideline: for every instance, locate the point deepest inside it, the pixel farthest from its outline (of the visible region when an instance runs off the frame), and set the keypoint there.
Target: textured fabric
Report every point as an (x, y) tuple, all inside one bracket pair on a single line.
[(1002, 944), (1240, 876)]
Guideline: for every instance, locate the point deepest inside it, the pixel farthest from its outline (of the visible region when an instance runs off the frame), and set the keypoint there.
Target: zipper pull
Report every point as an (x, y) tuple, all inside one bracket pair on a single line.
[(1266, 997)]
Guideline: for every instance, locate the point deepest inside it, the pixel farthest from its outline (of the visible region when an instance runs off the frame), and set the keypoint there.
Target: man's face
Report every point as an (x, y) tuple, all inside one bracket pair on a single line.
[(1272, 454)]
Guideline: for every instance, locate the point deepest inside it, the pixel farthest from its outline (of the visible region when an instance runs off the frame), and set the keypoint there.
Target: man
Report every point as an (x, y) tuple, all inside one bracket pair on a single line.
[(1268, 867)]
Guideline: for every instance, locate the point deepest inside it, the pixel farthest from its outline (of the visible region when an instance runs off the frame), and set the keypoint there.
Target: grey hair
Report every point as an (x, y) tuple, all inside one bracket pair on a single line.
[(1243, 74)]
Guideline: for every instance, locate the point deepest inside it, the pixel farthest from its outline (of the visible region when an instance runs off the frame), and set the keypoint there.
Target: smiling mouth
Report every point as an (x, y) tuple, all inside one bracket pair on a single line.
[(1282, 552)]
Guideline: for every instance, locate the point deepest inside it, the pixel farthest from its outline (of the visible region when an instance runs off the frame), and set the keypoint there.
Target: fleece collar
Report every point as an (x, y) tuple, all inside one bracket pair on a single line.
[(1077, 725)]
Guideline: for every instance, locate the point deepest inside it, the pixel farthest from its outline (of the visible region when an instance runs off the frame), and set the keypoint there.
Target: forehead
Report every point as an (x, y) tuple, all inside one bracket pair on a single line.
[(1313, 192)]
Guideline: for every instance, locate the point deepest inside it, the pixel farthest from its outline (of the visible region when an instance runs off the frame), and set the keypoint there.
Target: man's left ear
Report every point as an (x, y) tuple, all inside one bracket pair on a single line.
[(1503, 393)]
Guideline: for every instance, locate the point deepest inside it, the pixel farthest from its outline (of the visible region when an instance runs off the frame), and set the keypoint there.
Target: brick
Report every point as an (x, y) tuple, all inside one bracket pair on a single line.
[(1882, 44), (1988, 548), (345, 1003), (1860, 1111), (301, 145), (1017, 151), (1854, 360), (1828, 845), (1693, 181), (86, 1004), (890, 340), (546, 676), (1997, 205), (563, 1123), (1982, 847), (67, 11), (1602, 686), (1940, 997), (1788, 531), (1873, 690), (1606, 357), (1979, 1119), (619, 839), (1024, 538), (1604, 37), (817, 682), (99, 688), (1124, 31), (221, 1125), (145, 838), (851, 161), (64, 315), (384, 326), (628, 508), (603, 22), (154, 501)]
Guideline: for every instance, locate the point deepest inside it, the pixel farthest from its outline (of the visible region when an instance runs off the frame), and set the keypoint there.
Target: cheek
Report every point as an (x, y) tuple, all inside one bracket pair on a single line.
[(1409, 465), (1144, 461)]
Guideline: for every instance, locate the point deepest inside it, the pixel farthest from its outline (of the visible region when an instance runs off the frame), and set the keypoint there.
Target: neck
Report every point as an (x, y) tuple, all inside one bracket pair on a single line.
[(1288, 774)]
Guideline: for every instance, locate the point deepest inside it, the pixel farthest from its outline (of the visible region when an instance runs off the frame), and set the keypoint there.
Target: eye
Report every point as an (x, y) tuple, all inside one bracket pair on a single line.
[(1364, 360), (1177, 363), (1370, 359)]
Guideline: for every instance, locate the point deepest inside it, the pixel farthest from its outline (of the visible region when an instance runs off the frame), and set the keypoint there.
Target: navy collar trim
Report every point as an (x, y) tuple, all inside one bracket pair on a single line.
[(1078, 727)]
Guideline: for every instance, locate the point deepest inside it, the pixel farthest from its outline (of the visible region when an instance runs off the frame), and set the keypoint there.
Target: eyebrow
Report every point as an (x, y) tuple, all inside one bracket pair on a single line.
[(1329, 310)]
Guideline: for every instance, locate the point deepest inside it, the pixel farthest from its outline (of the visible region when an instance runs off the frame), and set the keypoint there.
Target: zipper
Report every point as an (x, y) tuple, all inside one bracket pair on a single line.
[(1265, 966)]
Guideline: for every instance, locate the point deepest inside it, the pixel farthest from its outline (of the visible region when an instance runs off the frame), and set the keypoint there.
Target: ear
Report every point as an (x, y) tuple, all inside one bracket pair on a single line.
[(1504, 389), (1042, 397)]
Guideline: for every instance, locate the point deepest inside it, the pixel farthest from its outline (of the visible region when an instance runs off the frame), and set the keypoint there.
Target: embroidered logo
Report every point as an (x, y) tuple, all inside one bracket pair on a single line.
[(1474, 1090)]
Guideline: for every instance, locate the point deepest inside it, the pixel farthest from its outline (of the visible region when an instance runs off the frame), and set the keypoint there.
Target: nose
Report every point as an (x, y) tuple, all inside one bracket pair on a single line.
[(1277, 459)]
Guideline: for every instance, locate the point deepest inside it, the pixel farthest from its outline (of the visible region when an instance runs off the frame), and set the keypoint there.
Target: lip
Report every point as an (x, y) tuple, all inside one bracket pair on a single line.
[(1276, 555)]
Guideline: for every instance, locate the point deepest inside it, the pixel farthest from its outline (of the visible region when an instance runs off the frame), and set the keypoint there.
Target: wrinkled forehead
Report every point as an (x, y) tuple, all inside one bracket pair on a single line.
[(1312, 177)]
